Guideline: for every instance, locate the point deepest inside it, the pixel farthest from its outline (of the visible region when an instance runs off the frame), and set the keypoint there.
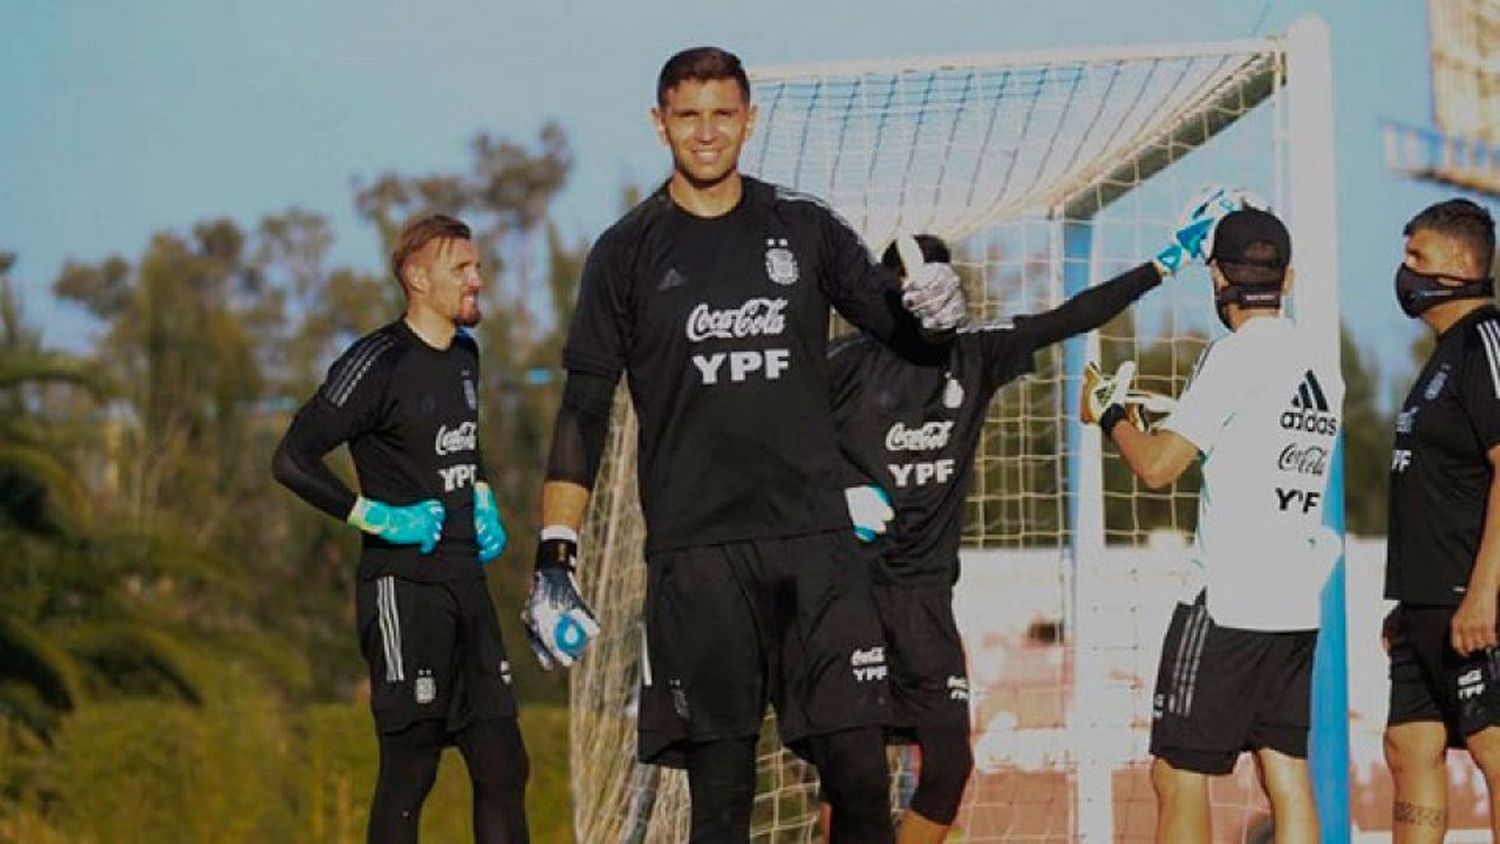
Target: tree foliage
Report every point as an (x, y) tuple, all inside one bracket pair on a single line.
[(84, 613)]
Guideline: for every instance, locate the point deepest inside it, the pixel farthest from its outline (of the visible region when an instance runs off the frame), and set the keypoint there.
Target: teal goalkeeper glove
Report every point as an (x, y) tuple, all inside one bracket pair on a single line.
[(414, 524), (488, 528), (1194, 238)]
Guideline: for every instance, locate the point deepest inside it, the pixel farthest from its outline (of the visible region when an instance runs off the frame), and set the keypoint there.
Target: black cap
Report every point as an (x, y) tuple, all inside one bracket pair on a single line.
[(1240, 230)]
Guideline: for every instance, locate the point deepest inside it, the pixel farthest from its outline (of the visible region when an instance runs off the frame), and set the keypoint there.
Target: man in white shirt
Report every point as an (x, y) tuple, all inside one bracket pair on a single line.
[(1262, 412)]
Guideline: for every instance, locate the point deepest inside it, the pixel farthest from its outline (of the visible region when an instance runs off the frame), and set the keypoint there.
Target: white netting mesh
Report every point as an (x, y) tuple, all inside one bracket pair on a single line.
[(954, 147), (1046, 174)]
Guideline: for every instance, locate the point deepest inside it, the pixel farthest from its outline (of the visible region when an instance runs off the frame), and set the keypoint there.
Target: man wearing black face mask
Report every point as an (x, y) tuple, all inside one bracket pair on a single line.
[(1443, 548)]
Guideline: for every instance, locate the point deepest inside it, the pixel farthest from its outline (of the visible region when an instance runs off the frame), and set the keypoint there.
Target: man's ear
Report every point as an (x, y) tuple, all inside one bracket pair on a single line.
[(659, 123), (1286, 283), (415, 277)]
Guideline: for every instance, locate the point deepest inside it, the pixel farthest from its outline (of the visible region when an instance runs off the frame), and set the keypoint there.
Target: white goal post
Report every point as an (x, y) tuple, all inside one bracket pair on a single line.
[(1049, 172)]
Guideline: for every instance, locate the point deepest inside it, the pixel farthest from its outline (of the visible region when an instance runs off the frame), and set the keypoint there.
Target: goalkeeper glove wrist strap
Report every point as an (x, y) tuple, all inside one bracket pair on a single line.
[(558, 547), (1112, 416)]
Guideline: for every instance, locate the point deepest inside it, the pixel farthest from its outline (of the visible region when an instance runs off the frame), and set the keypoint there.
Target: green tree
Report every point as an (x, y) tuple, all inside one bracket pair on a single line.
[(80, 602), (176, 344), (1367, 436), (42, 512), (178, 464)]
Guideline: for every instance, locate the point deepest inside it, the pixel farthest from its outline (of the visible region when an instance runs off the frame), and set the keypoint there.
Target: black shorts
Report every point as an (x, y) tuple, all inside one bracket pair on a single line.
[(929, 676), (434, 651), (731, 627), (1222, 690), (1431, 682)]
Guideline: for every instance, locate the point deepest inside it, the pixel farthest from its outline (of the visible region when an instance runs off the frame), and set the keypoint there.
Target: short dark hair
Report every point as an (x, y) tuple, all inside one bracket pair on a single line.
[(422, 231), (934, 251), (701, 64), (1463, 221)]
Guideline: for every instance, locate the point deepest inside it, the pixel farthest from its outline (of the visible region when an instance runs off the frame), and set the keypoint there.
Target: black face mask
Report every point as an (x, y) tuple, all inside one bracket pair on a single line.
[(1246, 296), (1419, 291)]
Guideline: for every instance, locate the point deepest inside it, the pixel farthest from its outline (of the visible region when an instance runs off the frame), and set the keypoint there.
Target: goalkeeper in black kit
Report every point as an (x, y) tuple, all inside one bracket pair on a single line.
[(713, 297), (911, 425), (405, 399)]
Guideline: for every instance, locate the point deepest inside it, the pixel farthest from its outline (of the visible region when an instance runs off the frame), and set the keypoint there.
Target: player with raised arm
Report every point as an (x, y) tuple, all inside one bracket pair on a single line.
[(405, 399), (1443, 545), (713, 294), (911, 425), (1261, 412)]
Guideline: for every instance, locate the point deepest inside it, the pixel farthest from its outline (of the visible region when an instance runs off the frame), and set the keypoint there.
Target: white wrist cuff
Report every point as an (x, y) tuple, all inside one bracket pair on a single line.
[(560, 532), (356, 515)]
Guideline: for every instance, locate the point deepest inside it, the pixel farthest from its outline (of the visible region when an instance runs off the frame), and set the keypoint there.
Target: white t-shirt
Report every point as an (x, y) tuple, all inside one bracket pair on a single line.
[(1264, 414)]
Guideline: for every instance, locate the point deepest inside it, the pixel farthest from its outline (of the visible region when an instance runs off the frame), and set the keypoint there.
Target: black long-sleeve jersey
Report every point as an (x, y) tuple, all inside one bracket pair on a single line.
[(1440, 469), (721, 325), (913, 426), (410, 415)]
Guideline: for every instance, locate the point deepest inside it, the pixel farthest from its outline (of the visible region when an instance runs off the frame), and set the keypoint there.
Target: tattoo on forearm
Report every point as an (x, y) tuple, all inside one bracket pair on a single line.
[(1408, 813)]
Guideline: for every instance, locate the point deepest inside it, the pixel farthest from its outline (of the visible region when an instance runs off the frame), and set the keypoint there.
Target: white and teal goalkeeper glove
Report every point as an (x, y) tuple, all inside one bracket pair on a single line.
[(412, 524), (1194, 238), (558, 621), (933, 293), (870, 510)]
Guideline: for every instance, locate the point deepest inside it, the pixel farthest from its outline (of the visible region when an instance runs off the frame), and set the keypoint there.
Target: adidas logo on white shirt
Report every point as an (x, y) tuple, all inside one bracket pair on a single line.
[(1310, 411)]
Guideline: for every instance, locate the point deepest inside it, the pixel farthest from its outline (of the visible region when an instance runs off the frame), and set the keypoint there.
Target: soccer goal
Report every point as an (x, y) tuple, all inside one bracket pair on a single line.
[(1048, 172)]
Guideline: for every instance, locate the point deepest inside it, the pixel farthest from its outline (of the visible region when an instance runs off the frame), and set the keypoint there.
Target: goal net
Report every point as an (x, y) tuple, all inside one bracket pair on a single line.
[(1048, 173)]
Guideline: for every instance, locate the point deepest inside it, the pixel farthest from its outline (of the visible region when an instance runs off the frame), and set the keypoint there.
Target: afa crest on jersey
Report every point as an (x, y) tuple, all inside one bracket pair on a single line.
[(426, 687), (471, 395), (781, 262), (1435, 386), (953, 392)]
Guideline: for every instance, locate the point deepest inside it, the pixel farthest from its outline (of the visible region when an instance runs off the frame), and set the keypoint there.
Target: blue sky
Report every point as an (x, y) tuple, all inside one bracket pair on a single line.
[(125, 119)]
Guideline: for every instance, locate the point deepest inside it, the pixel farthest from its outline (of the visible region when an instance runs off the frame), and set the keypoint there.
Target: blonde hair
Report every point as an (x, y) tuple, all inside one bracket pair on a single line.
[(422, 231)]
